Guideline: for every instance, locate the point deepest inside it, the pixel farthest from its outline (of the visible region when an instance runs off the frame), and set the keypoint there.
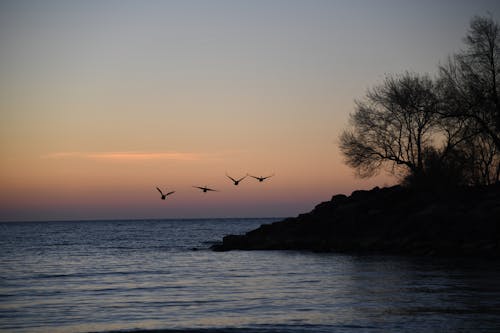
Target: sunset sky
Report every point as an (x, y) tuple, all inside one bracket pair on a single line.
[(102, 101)]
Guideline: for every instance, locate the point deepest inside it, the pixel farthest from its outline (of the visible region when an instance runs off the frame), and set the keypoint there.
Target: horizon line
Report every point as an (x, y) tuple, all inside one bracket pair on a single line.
[(143, 219)]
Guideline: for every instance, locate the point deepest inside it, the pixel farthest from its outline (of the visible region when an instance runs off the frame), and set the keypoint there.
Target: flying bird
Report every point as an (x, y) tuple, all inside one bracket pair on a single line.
[(261, 179), (205, 189), (236, 181), (164, 196)]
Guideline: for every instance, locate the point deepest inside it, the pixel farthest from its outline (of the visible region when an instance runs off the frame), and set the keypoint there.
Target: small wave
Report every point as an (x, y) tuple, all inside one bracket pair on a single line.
[(254, 329), (208, 330), (211, 242), (97, 274)]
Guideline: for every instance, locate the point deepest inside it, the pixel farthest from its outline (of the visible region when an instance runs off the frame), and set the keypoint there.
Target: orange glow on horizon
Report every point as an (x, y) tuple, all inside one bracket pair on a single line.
[(179, 98)]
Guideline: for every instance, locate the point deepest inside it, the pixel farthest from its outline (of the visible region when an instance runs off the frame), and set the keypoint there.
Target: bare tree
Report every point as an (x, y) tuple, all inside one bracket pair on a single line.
[(470, 80), (434, 130), (393, 126), (483, 160)]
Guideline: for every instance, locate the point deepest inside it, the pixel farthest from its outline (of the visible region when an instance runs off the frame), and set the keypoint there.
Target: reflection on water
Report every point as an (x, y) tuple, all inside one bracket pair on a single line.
[(102, 276)]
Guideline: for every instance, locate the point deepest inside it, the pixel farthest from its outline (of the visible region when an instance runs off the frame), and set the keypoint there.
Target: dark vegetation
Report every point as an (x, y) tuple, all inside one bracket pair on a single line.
[(441, 137)]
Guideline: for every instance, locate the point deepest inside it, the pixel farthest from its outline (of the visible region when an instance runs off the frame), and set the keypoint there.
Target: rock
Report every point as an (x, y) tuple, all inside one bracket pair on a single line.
[(390, 220)]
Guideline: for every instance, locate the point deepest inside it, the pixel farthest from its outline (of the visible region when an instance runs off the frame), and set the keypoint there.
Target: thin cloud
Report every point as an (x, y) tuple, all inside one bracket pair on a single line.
[(126, 156), (134, 156)]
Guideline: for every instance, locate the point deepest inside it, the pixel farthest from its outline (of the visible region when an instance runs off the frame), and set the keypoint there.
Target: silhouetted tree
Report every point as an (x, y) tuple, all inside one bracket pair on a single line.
[(444, 132), (483, 159), (470, 80), (470, 93), (393, 125)]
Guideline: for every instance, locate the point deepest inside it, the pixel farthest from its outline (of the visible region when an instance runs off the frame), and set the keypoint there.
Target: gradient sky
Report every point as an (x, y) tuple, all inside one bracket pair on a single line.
[(102, 101)]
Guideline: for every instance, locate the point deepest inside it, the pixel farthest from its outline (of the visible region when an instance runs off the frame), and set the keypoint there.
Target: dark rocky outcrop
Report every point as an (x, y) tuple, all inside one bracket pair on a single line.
[(395, 220)]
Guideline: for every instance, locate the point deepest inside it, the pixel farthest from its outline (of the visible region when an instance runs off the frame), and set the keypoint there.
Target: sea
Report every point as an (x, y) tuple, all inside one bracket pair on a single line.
[(161, 276)]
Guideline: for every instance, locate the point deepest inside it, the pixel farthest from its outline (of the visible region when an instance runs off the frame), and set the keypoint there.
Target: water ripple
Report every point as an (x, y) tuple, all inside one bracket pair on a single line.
[(140, 276)]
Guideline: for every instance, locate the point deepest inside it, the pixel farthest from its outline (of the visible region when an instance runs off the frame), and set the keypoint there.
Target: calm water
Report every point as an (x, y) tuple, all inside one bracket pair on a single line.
[(127, 275)]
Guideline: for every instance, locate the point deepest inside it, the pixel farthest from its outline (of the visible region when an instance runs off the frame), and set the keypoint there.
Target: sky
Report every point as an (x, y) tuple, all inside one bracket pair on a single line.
[(103, 101)]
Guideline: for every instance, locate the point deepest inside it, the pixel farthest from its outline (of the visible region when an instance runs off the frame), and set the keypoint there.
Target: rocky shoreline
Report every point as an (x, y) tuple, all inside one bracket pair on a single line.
[(393, 220)]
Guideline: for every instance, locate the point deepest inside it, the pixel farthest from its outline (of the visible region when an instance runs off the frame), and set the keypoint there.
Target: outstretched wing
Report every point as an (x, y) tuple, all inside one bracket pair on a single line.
[(170, 193), (228, 176), (204, 189), (159, 191), (239, 180)]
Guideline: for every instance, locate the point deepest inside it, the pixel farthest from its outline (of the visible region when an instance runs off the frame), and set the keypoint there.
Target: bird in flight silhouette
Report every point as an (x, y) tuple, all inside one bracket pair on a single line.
[(236, 181), (205, 189), (164, 196), (261, 179)]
